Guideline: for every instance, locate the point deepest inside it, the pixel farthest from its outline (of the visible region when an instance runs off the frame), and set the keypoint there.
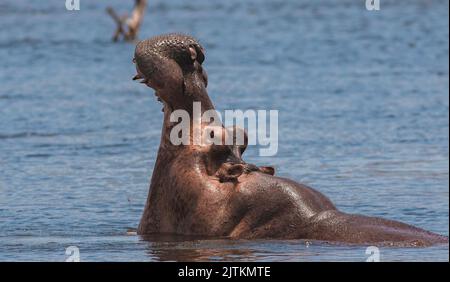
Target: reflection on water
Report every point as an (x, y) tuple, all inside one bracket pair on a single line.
[(198, 251), (271, 250), (363, 112), (168, 248)]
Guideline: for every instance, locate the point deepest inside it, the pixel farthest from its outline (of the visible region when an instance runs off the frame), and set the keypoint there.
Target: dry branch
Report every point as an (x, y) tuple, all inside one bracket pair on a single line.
[(128, 27)]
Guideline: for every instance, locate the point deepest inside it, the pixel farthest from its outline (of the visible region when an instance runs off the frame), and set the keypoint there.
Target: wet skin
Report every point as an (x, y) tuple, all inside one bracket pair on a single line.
[(209, 190)]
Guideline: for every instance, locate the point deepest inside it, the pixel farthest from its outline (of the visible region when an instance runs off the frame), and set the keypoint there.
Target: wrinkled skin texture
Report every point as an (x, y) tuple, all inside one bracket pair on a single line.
[(209, 189)]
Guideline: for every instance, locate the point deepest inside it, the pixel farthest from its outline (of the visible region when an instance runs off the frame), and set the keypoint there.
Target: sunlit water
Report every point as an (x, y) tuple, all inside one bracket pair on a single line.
[(362, 99)]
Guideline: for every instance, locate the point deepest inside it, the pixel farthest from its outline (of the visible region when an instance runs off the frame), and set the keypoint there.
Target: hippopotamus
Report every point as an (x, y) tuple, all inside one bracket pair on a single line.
[(209, 190)]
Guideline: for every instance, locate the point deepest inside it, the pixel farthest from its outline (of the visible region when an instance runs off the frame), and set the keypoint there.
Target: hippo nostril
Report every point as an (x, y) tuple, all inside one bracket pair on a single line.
[(181, 48), (193, 53), (200, 53)]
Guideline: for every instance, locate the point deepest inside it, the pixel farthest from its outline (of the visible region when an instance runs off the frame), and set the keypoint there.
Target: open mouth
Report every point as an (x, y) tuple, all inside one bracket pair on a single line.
[(145, 81), (141, 77)]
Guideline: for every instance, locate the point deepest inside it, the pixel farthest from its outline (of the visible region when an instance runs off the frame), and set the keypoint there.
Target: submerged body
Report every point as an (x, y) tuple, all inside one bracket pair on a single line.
[(209, 189)]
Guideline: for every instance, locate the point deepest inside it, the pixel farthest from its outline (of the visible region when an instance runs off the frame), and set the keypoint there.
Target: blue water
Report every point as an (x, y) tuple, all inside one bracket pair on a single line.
[(363, 117)]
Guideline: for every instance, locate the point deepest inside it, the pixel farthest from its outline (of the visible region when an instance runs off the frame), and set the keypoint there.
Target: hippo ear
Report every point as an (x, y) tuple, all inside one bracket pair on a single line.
[(230, 172), (267, 170)]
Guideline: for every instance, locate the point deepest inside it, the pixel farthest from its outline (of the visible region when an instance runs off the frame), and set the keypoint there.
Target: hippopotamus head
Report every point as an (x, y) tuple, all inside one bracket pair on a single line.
[(172, 66)]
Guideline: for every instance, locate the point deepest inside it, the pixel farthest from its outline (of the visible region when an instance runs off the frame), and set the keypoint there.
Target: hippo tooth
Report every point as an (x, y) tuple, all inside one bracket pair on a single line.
[(136, 77)]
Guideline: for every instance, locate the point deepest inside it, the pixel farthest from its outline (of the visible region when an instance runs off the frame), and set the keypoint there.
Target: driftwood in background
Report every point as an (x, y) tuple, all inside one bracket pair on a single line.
[(128, 27)]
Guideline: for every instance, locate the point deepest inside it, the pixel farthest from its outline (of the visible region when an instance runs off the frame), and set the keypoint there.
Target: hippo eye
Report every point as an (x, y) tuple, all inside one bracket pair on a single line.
[(211, 134)]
